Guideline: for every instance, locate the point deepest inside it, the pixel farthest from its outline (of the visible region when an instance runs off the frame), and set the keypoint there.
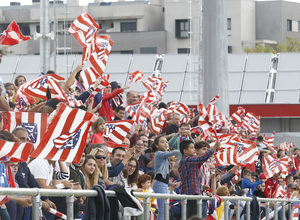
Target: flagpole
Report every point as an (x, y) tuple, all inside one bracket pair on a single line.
[(45, 41)]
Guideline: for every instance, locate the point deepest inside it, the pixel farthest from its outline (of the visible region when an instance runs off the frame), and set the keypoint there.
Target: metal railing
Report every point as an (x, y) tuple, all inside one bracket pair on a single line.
[(70, 194)]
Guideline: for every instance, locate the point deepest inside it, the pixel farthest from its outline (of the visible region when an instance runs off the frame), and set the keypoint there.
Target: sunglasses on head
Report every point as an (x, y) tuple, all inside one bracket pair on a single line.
[(100, 157)]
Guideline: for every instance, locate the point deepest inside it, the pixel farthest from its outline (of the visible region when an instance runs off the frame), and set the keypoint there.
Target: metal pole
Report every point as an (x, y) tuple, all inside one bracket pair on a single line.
[(70, 207), (276, 211), (290, 211), (199, 207), (45, 41), (146, 208), (36, 201), (238, 211), (267, 209), (283, 210), (183, 209), (248, 210), (226, 207), (214, 53), (167, 212)]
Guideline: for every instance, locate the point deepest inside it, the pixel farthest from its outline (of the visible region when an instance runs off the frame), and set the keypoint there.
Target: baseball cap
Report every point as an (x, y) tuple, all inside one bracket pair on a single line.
[(114, 85)]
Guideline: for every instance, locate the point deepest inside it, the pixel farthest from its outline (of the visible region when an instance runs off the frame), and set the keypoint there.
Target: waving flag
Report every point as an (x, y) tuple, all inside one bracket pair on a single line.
[(295, 207), (251, 122), (161, 88), (116, 131), (203, 112), (35, 124), (118, 100), (132, 109), (12, 35), (99, 57), (152, 82), (16, 152), (179, 107), (112, 145), (157, 119), (269, 141), (23, 101), (279, 192), (235, 150), (206, 128), (84, 29), (66, 136), (272, 166), (89, 76), (137, 76), (238, 115)]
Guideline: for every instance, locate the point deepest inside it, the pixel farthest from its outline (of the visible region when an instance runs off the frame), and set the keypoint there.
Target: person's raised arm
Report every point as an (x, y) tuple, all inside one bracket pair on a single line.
[(71, 79)]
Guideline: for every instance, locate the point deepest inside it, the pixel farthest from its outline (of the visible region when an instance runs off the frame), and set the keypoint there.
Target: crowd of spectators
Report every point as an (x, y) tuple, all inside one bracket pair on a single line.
[(176, 161)]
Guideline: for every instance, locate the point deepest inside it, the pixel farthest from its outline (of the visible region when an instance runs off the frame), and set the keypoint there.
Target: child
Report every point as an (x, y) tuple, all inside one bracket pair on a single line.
[(98, 128), (119, 113), (246, 182), (144, 183), (161, 182), (189, 171)]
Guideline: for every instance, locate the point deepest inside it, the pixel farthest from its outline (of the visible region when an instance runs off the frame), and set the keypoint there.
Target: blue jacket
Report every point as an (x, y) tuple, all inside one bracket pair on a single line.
[(251, 186), (162, 161)]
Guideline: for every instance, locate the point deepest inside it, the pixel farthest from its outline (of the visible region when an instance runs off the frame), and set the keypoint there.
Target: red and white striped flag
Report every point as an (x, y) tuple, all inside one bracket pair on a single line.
[(279, 192), (283, 146), (66, 136), (237, 175), (207, 129), (291, 145), (15, 151), (238, 115), (269, 141), (214, 100), (157, 119), (112, 145), (38, 87), (132, 109), (161, 88), (203, 112), (84, 29), (23, 101), (179, 107), (99, 57), (272, 166), (89, 76), (136, 76), (236, 151), (12, 35), (251, 122), (35, 124), (152, 82), (116, 131)]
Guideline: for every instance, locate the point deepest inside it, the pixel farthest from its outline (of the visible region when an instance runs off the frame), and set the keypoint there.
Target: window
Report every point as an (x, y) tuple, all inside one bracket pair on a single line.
[(24, 28), (298, 26), (182, 28), (289, 25), (112, 25), (228, 26), (128, 26), (148, 50), (183, 50), (126, 51), (229, 49), (37, 29)]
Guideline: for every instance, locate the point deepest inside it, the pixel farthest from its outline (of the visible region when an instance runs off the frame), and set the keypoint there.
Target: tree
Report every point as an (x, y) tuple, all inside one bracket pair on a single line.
[(290, 45)]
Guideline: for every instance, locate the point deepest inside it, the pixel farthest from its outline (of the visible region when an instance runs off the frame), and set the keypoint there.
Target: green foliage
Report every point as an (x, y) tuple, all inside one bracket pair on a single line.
[(5, 50), (290, 45)]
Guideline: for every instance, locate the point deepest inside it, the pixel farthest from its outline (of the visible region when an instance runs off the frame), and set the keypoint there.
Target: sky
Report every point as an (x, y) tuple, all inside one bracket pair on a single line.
[(29, 2)]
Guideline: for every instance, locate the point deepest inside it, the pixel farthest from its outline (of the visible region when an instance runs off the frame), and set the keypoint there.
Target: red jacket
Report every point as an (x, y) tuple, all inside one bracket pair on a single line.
[(271, 185), (106, 109)]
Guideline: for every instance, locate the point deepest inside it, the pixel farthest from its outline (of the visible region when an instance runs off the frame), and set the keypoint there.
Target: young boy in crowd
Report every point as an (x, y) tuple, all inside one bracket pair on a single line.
[(119, 113), (189, 171), (247, 184)]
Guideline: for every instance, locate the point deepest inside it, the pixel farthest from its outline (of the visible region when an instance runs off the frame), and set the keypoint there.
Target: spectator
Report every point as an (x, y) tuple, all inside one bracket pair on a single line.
[(119, 113), (173, 128), (247, 184), (98, 128), (91, 172), (189, 171), (161, 182)]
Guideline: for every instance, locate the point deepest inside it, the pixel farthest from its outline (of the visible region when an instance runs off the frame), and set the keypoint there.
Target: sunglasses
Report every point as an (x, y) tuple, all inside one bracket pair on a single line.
[(100, 157)]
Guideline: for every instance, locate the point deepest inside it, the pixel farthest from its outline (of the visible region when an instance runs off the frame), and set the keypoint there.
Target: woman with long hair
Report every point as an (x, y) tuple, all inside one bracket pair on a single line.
[(100, 156), (161, 177), (131, 173), (90, 171)]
